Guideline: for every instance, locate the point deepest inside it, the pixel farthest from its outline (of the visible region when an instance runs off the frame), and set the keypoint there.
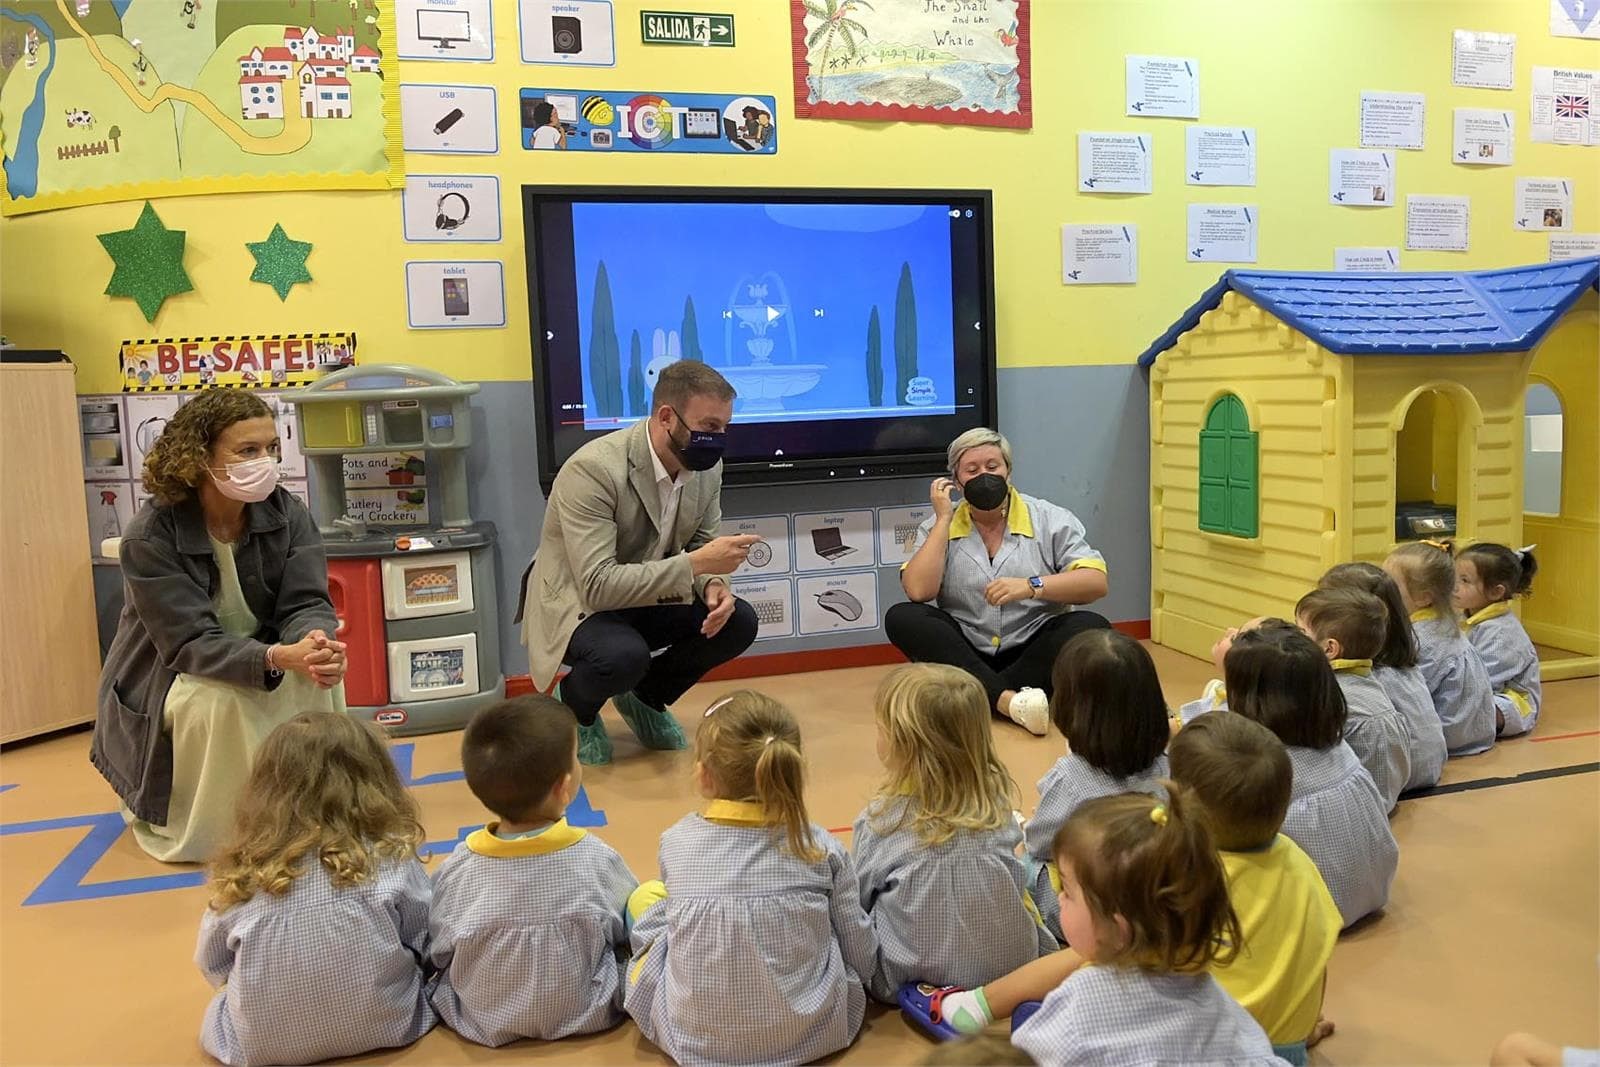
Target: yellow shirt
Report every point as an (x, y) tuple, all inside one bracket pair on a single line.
[(1290, 924)]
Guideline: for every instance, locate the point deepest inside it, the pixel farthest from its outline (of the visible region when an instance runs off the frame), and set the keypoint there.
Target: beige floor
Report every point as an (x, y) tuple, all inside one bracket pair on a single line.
[(1492, 927)]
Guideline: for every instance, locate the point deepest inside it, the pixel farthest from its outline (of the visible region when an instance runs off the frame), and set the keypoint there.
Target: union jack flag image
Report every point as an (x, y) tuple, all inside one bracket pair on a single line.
[(1572, 107)]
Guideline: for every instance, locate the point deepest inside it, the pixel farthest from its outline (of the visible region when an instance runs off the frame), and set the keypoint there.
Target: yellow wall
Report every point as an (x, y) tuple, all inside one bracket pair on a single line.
[(1293, 69)]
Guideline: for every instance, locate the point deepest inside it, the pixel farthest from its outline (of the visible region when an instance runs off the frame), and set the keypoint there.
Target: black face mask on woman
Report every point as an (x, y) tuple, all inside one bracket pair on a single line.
[(703, 449), (986, 492)]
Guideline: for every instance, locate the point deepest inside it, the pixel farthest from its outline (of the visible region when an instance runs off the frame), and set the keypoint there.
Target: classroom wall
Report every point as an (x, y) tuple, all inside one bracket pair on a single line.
[(1294, 71)]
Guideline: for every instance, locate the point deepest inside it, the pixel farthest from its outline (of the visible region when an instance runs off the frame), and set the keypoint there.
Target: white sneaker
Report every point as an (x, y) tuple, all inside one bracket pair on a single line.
[(1030, 709)]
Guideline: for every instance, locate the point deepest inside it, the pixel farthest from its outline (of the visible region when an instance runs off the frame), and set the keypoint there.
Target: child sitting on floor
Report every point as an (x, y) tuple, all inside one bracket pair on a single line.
[(1487, 578)]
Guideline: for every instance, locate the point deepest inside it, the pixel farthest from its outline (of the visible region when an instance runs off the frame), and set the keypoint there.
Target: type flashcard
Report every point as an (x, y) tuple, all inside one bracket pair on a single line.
[(897, 532)]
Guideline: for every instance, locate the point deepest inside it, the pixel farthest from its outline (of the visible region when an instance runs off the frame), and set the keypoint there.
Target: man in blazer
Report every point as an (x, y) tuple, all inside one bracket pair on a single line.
[(630, 562)]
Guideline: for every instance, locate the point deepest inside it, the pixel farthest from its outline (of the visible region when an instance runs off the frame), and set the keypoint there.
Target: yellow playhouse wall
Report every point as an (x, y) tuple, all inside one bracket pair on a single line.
[(1203, 582)]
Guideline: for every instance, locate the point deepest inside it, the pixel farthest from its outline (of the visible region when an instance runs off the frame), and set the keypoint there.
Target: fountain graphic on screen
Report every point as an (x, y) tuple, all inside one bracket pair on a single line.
[(811, 311)]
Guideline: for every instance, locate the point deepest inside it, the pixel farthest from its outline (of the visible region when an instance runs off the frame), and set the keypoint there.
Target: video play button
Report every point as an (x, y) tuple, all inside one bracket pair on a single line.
[(772, 313)]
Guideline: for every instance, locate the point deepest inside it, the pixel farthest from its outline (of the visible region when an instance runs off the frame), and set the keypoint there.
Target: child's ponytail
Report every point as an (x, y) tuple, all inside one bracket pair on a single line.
[(750, 746), (1510, 568), (780, 786)]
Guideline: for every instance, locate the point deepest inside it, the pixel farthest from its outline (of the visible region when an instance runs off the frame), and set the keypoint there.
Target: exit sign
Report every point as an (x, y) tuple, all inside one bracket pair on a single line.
[(686, 27)]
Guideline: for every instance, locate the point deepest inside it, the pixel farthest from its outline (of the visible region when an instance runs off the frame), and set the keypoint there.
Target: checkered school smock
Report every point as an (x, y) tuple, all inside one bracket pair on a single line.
[(956, 913), (528, 935), (318, 972), (1374, 729), (1338, 818), (1215, 698), (755, 955), (1109, 1016), (1458, 681), (1408, 692), (1512, 664)]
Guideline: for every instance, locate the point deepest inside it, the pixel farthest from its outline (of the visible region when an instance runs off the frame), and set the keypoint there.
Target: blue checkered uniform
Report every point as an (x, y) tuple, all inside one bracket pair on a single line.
[(1513, 666), (1338, 818), (1408, 692), (1459, 683), (1374, 729), (318, 972)]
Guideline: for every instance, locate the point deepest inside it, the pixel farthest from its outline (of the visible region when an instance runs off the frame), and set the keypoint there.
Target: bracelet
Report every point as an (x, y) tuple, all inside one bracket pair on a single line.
[(273, 669)]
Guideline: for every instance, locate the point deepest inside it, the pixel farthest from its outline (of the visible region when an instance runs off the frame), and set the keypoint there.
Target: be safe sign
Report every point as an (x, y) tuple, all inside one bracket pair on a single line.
[(686, 27)]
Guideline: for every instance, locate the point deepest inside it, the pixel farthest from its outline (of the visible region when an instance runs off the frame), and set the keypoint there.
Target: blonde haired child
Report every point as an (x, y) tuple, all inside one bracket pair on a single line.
[(319, 907), (756, 949), (1144, 899), (935, 849), (1488, 576), (1425, 571)]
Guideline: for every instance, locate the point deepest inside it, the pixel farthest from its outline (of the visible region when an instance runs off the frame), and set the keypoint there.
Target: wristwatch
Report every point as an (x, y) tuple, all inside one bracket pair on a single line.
[(1038, 585)]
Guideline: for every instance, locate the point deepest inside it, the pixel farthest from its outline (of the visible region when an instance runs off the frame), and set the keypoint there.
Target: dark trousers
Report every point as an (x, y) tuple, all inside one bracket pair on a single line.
[(928, 635), (609, 654)]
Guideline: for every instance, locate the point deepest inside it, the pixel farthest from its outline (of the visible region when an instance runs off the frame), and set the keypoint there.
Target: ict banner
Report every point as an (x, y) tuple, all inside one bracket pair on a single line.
[(261, 361), (581, 120)]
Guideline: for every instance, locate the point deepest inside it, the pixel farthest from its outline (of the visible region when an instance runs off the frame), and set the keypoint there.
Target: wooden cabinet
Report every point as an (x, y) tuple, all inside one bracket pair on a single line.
[(49, 654)]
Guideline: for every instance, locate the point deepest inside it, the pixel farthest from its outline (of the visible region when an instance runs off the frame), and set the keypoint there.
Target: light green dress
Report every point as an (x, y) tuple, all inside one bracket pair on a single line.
[(216, 728)]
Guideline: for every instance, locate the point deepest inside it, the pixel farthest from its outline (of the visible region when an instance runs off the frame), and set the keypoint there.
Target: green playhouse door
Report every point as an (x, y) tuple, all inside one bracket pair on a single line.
[(1229, 487)]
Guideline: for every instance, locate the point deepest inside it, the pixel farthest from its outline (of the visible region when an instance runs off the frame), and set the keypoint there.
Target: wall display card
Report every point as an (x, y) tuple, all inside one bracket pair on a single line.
[(452, 119), (1361, 177), (1562, 109), (147, 417), (897, 532), (571, 33), (773, 601), (1222, 233), (1483, 137), (291, 461), (771, 554), (105, 446), (1575, 18), (1392, 120), (172, 364), (1366, 260), (1543, 204), (1219, 155), (594, 120), (1438, 223), (833, 540), (451, 207), (845, 601), (389, 507), (444, 29), (1482, 60), (1114, 162), (1099, 255), (386, 470), (1163, 86), (111, 508), (300, 490), (442, 294), (1573, 245)]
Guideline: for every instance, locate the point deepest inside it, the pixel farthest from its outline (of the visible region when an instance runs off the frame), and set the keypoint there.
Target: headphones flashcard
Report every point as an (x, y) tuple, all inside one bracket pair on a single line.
[(442, 220)]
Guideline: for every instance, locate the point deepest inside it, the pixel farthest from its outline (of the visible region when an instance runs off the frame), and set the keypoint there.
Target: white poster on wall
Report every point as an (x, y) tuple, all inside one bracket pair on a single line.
[(1482, 60), (1163, 86), (833, 540), (568, 33), (897, 532), (462, 293), (1575, 18), (1543, 204), (105, 447), (1360, 177), (844, 601), (1573, 245), (148, 415), (1099, 255), (452, 119), (1219, 155), (291, 461), (1562, 106), (1392, 120), (451, 207), (1438, 223), (1114, 162), (1483, 137), (444, 29), (1222, 233), (111, 508), (1366, 260), (771, 554), (773, 602)]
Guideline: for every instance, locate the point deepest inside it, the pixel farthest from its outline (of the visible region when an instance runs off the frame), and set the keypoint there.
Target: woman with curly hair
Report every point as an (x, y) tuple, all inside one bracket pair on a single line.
[(224, 628)]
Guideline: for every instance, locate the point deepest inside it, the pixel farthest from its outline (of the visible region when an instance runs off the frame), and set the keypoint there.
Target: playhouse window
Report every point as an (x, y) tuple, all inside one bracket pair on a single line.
[(1229, 486), (1426, 465), (1542, 445)]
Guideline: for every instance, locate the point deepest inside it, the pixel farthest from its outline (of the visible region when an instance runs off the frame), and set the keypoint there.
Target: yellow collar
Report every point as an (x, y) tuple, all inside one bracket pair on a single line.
[(1425, 615), (1362, 667), (737, 813), (559, 836), (1493, 611), (1018, 521)]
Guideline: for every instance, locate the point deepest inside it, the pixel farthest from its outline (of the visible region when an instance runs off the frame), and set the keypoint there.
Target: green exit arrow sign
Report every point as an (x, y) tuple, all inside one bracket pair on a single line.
[(686, 27)]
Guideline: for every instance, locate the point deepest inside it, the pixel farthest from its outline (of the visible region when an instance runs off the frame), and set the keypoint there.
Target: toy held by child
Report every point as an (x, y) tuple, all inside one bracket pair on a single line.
[(1425, 572), (935, 849), (1348, 626), (756, 949), (1488, 576), (528, 931), (1395, 668), (1107, 702), (319, 906)]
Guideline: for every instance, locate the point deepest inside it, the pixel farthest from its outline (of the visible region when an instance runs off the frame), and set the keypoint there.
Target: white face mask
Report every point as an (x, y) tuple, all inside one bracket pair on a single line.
[(251, 481)]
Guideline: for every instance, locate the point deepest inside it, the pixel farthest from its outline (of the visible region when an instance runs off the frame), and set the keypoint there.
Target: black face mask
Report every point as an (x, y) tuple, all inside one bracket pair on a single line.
[(703, 450), (986, 491)]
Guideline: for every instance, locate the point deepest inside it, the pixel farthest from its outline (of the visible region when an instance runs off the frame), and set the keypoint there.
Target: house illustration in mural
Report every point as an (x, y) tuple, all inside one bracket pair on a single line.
[(320, 64), (1300, 420)]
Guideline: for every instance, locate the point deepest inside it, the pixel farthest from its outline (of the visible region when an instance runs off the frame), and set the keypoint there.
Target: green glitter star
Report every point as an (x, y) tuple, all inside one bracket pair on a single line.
[(280, 262), (149, 261)]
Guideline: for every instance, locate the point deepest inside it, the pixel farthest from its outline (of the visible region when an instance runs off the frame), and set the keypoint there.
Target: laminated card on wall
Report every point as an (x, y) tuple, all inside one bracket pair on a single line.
[(832, 602), (833, 540), (444, 29), (1544, 204), (771, 554), (772, 599), (897, 532)]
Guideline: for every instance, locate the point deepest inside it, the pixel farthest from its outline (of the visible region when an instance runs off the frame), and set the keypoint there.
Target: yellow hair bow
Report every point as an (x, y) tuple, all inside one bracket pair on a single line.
[(1442, 546), (1158, 815)]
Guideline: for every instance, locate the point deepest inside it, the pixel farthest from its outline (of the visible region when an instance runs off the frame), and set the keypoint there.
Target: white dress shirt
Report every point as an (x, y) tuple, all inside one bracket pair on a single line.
[(671, 491)]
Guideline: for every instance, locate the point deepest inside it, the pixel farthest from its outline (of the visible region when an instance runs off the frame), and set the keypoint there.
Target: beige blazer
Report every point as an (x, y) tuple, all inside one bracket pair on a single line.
[(600, 528)]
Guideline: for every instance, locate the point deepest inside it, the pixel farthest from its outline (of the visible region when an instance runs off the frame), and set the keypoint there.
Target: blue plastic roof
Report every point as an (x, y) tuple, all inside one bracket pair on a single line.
[(1463, 312)]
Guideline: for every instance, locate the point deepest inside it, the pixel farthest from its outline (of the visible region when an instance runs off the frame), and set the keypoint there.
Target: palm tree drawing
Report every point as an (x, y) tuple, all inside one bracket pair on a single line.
[(836, 24)]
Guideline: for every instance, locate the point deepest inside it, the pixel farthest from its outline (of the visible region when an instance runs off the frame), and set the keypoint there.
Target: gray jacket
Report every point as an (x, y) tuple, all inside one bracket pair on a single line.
[(168, 628)]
